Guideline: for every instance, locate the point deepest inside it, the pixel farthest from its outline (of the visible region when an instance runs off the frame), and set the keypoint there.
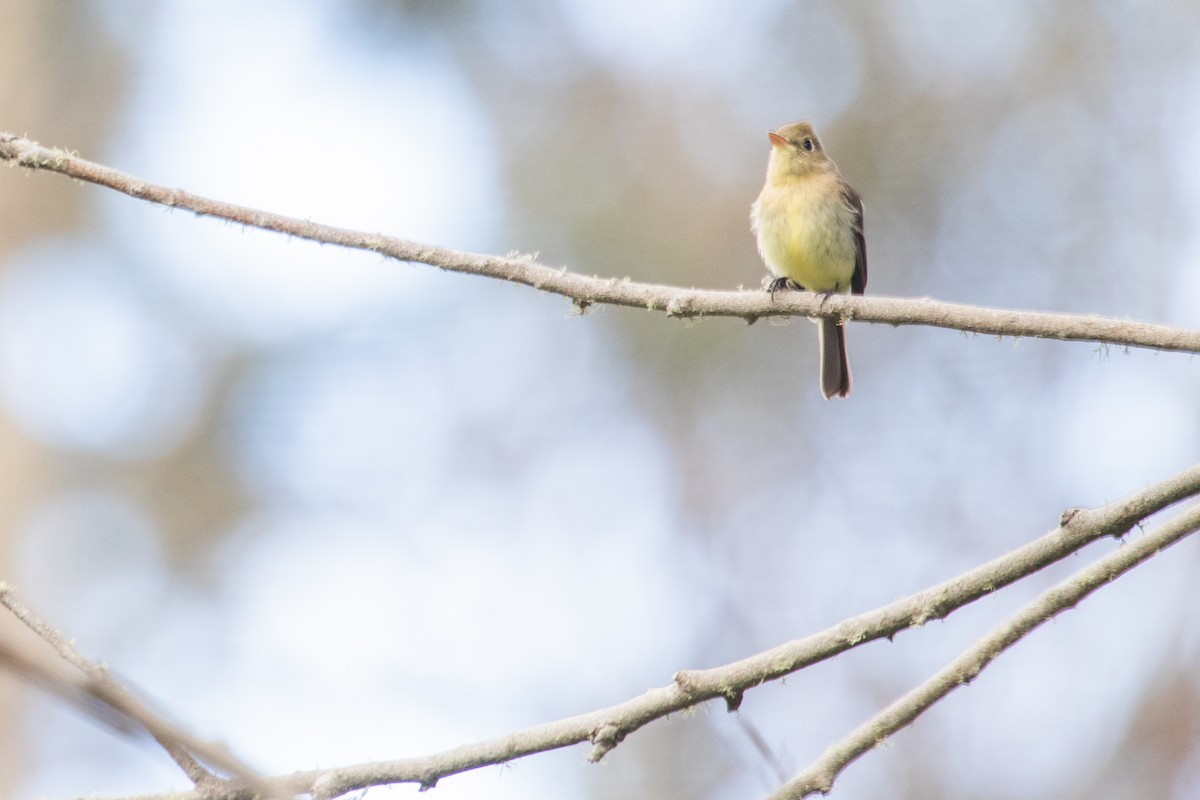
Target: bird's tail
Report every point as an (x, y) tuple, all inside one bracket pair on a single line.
[(835, 369)]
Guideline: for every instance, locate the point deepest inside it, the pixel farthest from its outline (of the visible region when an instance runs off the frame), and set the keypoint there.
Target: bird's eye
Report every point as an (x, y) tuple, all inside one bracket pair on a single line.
[(808, 144)]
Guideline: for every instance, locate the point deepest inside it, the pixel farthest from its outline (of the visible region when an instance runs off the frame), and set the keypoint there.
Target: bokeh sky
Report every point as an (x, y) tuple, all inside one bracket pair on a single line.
[(325, 508)]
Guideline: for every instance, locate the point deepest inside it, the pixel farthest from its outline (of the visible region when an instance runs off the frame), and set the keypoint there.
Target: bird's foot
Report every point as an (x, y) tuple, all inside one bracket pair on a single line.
[(773, 285)]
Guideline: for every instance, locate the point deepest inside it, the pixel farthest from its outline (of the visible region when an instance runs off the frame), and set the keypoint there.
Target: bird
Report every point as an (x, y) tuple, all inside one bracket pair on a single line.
[(808, 223)]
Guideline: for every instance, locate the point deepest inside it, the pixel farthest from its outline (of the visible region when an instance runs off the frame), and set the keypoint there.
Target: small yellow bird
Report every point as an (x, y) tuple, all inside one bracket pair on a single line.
[(809, 225)]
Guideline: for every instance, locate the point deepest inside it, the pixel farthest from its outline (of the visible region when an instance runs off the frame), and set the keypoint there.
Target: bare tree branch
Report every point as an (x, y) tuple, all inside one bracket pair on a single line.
[(1078, 528), (818, 778), (98, 694), (585, 291), (606, 728)]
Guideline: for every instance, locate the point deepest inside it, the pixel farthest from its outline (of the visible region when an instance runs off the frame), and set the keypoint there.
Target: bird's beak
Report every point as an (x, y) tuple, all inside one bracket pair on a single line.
[(776, 139)]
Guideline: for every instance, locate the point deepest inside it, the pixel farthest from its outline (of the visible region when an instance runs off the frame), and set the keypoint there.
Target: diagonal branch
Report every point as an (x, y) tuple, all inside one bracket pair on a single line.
[(96, 692), (818, 777), (606, 728), (1078, 527), (585, 291)]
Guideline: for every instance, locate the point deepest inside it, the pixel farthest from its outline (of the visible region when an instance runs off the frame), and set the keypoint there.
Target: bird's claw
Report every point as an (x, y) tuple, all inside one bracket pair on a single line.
[(773, 285)]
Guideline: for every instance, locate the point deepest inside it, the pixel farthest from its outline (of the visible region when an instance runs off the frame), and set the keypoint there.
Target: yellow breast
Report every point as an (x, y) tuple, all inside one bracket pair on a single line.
[(805, 232)]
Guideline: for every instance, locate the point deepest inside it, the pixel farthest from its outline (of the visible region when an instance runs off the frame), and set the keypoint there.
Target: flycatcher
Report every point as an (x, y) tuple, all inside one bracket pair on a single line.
[(809, 224)]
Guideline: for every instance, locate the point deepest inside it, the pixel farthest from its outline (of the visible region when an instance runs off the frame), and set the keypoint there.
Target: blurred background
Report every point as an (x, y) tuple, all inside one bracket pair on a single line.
[(325, 508)]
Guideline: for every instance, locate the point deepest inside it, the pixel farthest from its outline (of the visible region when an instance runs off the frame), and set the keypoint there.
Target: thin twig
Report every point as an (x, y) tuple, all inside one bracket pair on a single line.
[(98, 693), (606, 728), (818, 777), (585, 291), (763, 748)]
